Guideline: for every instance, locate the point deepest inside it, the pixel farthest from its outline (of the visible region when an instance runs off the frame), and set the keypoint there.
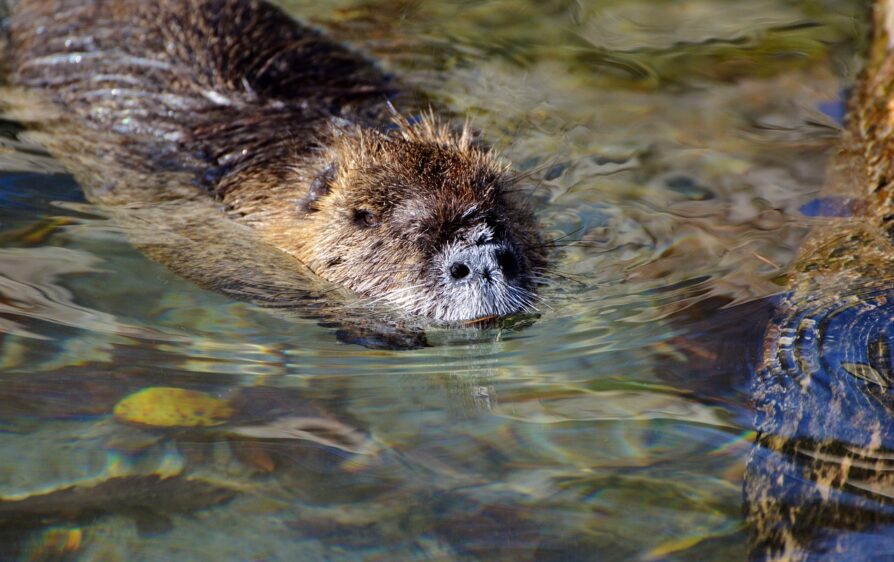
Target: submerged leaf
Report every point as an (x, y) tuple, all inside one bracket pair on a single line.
[(866, 373), (328, 432), (55, 543), (131, 494), (172, 407)]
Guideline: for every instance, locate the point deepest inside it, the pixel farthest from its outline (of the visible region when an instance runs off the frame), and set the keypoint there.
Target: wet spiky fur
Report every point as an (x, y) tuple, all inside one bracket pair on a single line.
[(292, 133)]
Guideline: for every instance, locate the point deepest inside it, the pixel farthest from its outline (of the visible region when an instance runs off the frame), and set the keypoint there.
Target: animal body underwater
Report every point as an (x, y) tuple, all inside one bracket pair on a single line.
[(295, 137)]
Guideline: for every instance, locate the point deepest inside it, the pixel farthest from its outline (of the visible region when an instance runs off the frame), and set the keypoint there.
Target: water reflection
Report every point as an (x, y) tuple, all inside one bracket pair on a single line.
[(818, 480)]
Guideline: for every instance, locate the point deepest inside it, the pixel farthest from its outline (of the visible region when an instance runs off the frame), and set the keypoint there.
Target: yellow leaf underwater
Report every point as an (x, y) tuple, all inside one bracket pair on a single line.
[(172, 407)]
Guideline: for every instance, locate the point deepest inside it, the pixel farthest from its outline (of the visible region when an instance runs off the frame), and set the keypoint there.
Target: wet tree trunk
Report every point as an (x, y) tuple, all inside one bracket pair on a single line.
[(819, 483), (861, 178)]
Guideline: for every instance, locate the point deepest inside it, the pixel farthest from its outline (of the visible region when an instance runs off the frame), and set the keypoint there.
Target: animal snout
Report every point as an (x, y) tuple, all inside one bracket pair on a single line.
[(485, 262)]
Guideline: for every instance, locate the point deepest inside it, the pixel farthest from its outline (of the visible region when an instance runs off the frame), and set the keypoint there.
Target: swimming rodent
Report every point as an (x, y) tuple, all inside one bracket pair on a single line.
[(295, 136)]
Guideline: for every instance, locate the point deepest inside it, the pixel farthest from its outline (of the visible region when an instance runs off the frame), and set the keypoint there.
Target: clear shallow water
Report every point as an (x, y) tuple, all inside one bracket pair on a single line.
[(679, 142)]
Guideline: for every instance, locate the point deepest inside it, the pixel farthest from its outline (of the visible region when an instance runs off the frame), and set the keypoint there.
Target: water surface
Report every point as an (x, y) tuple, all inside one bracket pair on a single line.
[(680, 148)]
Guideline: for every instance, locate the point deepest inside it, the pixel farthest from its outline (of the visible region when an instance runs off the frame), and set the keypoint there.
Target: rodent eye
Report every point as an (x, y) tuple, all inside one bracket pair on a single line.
[(365, 218)]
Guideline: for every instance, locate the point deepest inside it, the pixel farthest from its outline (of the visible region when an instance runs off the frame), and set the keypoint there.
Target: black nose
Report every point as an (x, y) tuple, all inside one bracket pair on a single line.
[(483, 261), (459, 270)]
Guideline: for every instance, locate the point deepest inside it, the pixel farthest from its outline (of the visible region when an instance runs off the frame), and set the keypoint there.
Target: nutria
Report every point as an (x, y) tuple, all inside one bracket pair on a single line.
[(295, 135)]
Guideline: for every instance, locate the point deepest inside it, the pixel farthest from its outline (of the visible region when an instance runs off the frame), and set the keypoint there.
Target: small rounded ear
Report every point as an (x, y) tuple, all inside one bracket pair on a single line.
[(319, 187)]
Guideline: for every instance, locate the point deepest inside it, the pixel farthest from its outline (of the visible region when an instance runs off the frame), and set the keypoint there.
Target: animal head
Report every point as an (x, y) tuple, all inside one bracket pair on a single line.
[(419, 218)]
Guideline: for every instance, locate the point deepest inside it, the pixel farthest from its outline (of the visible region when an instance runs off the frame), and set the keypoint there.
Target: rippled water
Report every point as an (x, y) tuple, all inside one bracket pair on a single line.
[(681, 146)]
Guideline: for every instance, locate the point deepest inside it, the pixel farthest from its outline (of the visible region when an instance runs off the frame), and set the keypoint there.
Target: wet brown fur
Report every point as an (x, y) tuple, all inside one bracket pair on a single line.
[(290, 131)]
